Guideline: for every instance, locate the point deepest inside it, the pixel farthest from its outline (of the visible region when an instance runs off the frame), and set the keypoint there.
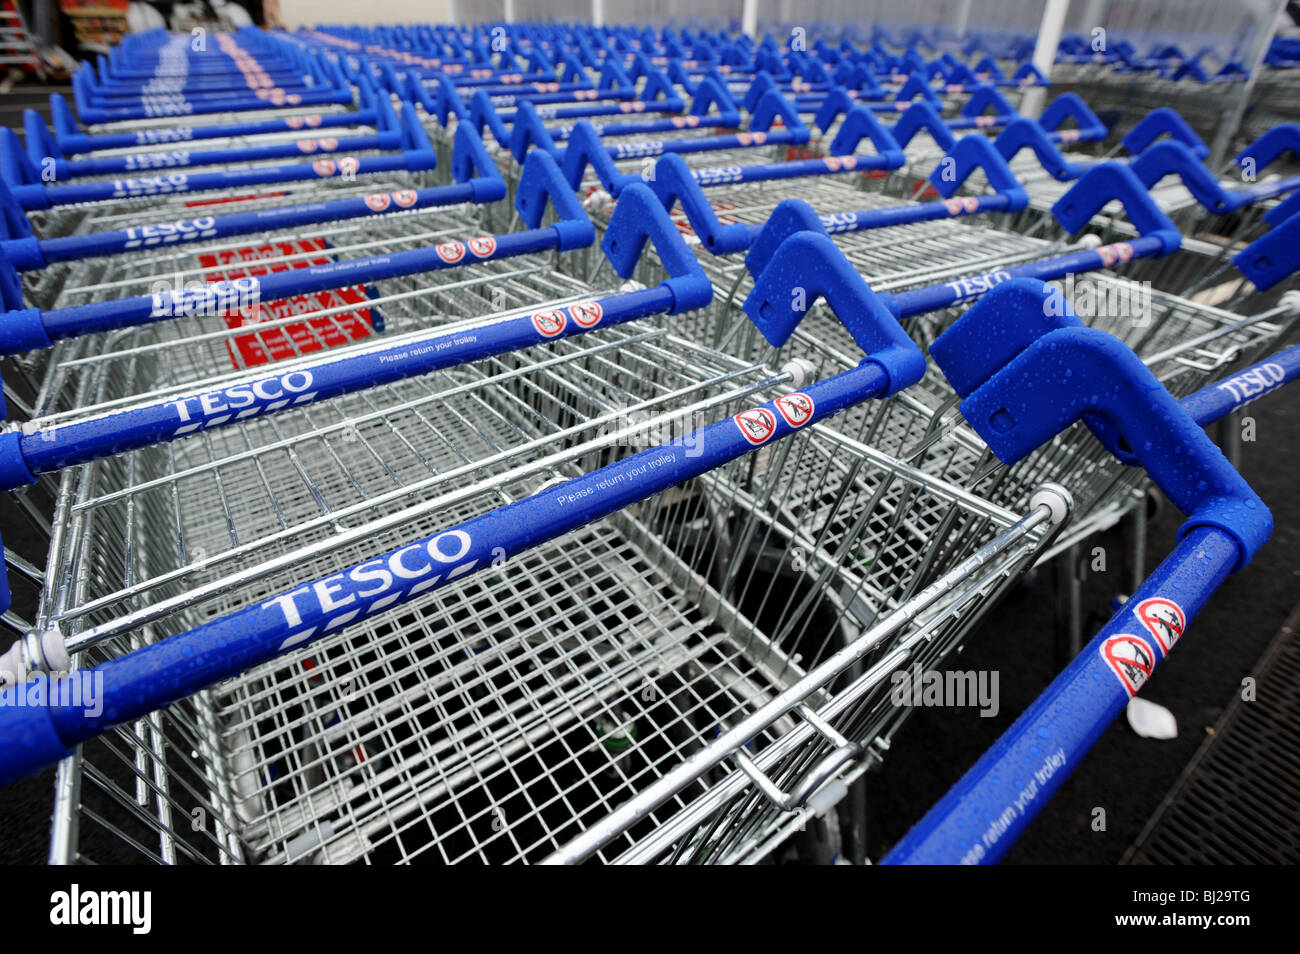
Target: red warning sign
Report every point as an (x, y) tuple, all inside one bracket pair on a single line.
[(1164, 619), (450, 252), (1130, 659), (483, 246), (262, 345), (324, 167), (797, 408), (377, 201), (587, 313), (549, 323), (756, 425), (405, 197)]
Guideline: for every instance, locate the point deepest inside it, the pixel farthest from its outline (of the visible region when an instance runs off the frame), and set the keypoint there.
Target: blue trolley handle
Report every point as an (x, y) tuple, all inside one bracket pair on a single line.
[(417, 156), (639, 217), (1007, 358), (73, 710), (539, 184), (478, 181)]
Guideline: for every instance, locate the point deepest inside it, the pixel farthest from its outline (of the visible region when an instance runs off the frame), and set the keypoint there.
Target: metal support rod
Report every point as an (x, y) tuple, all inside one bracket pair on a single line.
[(749, 17), (963, 17), (1049, 39), (1232, 122), (598, 13)]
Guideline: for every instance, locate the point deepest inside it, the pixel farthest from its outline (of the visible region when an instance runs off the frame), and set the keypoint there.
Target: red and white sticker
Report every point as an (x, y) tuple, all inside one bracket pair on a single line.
[(483, 246), (1069, 135), (294, 122), (682, 122), (306, 145), (405, 198), (833, 163), (312, 120), (1130, 659), (377, 201), (450, 252), (954, 206), (756, 425), (324, 167), (983, 122), (349, 165), (549, 323), (1119, 252), (796, 408), (587, 313), (1164, 619), (328, 145)]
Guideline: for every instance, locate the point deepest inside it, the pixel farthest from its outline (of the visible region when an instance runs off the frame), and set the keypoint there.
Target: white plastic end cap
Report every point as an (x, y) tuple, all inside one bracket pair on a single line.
[(801, 371), (1056, 499)]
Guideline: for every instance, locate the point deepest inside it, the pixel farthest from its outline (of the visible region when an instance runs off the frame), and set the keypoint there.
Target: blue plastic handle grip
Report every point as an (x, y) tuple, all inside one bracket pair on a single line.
[(984, 813), (219, 297), (27, 254), (1233, 393), (65, 445), (920, 301), (32, 736), (149, 162), (32, 197)]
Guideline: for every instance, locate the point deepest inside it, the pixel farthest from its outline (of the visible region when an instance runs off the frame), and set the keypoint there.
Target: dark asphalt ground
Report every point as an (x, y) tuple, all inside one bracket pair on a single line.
[(1125, 774)]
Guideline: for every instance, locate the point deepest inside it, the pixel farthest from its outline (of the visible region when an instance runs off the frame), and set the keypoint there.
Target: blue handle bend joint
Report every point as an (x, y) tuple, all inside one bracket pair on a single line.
[(1273, 257), (1105, 182), (529, 131), (975, 152), (1163, 122), (471, 163), (1027, 369), (639, 217), (673, 183), (1171, 158), (859, 124), (1268, 147), (541, 183), (808, 265), (1067, 106), (1027, 134), (922, 116)]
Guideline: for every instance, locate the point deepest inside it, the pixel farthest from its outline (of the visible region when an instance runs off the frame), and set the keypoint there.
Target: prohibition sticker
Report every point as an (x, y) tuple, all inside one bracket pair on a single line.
[(1130, 659), (349, 165), (587, 313), (377, 201), (324, 167), (549, 323), (483, 246), (405, 197), (1164, 619), (307, 145), (756, 425), (329, 145), (312, 120), (450, 252), (1119, 252), (797, 408)]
